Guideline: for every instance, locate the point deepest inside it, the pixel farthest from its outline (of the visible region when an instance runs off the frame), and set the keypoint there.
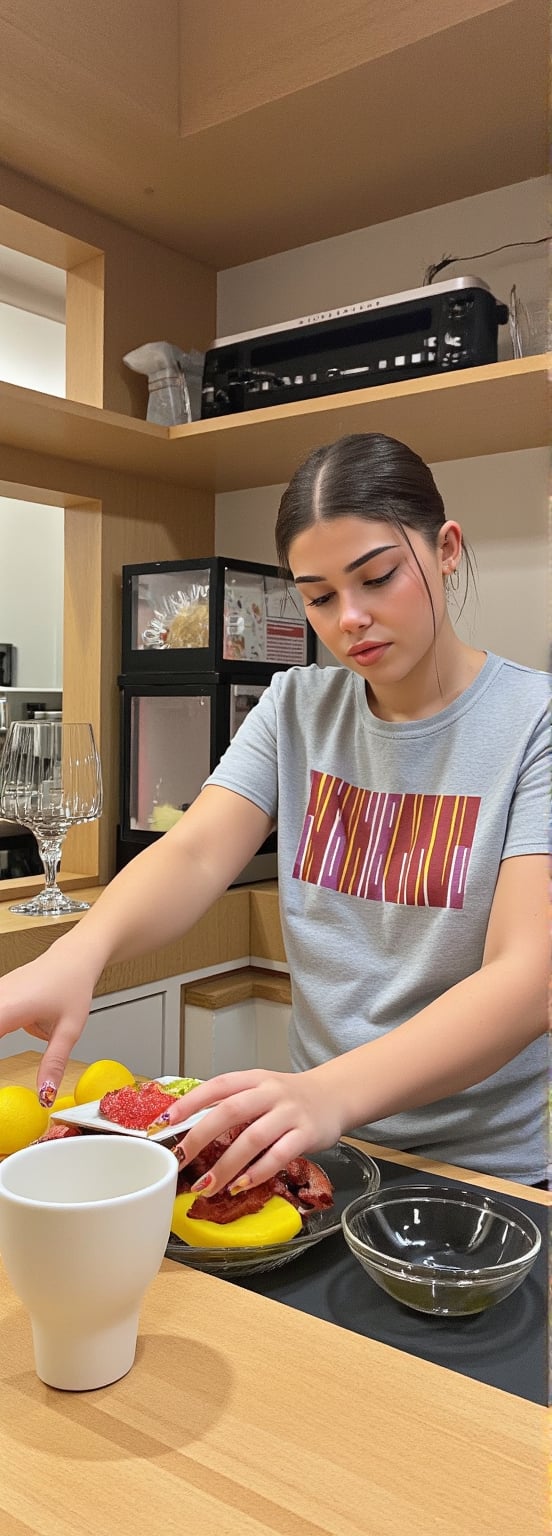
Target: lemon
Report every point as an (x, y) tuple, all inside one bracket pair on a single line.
[(65, 1102), (276, 1223), (102, 1077), (22, 1119)]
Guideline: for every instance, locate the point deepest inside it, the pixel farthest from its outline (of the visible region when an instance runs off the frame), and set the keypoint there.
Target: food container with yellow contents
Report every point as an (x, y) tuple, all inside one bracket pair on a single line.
[(350, 1171)]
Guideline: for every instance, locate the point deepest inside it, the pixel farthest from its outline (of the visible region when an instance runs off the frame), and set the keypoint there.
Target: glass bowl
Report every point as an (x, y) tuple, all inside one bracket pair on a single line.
[(441, 1249), (352, 1174)]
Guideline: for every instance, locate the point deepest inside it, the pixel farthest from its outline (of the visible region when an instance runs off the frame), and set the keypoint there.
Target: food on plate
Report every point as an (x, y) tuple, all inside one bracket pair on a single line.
[(135, 1108), (277, 1222), (181, 1086), (56, 1131), (22, 1119), (253, 1217), (102, 1077)]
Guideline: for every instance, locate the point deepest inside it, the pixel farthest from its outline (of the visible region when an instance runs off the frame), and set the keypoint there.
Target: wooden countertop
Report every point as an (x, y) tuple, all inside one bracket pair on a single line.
[(244, 922), (242, 1417)]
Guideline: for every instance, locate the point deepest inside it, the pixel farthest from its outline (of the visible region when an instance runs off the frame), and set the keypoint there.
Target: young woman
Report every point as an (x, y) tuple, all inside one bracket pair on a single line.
[(409, 785)]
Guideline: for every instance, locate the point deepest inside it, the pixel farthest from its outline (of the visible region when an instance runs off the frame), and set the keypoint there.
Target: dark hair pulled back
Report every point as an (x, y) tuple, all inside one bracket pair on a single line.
[(365, 475)]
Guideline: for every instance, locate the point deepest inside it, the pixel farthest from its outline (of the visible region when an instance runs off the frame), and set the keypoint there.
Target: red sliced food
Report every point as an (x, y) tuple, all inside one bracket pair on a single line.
[(307, 1184), (208, 1157), (302, 1183), (56, 1131), (136, 1108), (224, 1207)]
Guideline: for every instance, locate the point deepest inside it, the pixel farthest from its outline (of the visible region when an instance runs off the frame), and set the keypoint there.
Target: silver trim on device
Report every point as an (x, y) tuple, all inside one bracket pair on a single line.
[(455, 284)]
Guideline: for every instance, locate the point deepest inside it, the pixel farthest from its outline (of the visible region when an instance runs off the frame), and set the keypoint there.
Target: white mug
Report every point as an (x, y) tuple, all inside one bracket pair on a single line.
[(84, 1224)]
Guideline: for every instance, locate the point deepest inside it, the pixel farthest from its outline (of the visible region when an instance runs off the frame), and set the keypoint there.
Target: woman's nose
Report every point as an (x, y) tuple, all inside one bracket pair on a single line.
[(354, 615)]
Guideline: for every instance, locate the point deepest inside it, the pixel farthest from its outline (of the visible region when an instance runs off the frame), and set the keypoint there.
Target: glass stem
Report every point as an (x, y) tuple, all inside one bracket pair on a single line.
[(50, 852)]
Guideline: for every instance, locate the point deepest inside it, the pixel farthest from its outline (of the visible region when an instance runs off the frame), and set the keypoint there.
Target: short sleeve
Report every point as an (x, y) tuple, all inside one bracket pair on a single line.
[(249, 766), (527, 830)]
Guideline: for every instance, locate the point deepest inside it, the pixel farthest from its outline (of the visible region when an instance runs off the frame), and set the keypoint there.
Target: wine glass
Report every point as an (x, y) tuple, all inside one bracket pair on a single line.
[(50, 780)]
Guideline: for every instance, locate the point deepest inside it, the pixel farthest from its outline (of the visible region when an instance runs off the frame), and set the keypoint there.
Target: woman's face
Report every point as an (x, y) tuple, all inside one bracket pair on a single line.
[(365, 596)]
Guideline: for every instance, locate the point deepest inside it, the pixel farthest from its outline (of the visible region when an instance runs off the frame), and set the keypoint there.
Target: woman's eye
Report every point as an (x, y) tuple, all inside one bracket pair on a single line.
[(317, 602), (378, 581)]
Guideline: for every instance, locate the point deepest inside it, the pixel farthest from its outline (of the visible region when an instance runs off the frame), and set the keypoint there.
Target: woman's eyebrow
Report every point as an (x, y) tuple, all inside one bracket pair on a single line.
[(354, 566)]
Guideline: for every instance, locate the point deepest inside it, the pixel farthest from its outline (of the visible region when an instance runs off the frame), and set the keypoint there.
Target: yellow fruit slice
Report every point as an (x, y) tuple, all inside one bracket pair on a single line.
[(22, 1119), (66, 1101), (102, 1077), (276, 1223)]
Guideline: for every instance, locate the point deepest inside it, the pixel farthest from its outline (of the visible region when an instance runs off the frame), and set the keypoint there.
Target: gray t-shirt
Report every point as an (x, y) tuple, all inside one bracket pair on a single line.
[(390, 839)]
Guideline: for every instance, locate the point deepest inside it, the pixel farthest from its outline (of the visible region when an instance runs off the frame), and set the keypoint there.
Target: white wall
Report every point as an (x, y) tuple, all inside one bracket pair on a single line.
[(390, 257), (32, 355), (500, 500), (32, 350), (31, 591)]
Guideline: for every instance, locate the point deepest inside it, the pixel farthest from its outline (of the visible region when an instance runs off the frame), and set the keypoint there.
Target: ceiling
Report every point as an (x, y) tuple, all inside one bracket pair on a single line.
[(231, 131)]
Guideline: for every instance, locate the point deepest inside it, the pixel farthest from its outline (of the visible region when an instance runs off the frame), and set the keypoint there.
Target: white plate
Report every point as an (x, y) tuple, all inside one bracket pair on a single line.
[(88, 1116)]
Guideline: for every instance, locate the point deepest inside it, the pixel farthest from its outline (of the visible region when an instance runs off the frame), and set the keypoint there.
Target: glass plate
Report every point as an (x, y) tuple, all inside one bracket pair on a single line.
[(352, 1173)]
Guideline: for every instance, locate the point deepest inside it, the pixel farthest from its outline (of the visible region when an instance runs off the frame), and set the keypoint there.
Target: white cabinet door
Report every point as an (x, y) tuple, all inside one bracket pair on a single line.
[(253, 1033), (131, 1032), (272, 1024), (219, 1039)]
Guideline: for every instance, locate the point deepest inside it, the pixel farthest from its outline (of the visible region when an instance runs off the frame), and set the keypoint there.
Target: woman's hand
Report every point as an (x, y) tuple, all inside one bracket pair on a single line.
[(285, 1115), (49, 998)]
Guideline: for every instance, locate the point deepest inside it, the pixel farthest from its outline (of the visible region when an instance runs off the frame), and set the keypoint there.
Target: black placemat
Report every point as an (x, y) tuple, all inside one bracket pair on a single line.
[(505, 1347)]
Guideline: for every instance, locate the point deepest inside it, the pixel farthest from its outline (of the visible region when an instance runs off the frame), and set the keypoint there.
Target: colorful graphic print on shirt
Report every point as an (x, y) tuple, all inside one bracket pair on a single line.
[(410, 849)]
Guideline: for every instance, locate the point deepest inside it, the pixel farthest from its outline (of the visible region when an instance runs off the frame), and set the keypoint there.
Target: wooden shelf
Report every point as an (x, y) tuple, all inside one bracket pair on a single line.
[(65, 429), (494, 409), (500, 408)]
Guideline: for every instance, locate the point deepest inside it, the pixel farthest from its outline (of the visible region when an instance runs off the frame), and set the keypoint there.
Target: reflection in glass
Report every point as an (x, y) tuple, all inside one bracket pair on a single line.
[(243, 698), (167, 617), (50, 780), (263, 621), (170, 757)]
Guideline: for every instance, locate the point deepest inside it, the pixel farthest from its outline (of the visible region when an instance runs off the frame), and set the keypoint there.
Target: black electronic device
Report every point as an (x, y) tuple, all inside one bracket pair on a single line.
[(436, 329)]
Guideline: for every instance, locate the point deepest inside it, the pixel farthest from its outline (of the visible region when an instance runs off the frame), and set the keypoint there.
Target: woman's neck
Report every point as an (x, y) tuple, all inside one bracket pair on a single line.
[(447, 669)]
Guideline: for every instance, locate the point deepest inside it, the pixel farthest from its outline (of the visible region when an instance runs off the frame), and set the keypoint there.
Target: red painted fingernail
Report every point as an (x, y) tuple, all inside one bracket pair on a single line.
[(203, 1183), (47, 1094), (239, 1184)]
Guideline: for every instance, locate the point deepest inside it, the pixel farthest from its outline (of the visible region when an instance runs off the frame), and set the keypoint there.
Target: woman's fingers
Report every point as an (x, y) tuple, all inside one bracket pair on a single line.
[(283, 1115), (248, 1109), (39, 1031), (54, 1061), (257, 1153), (266, 1167), (217, 1090)]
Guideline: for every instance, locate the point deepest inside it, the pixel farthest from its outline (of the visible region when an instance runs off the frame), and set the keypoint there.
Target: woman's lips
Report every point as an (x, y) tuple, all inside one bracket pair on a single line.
[(367, 655)]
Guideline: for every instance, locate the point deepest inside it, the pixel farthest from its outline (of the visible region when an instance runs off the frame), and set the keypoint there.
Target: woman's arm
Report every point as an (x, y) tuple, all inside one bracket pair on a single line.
[(463, 1037), (158, 897)]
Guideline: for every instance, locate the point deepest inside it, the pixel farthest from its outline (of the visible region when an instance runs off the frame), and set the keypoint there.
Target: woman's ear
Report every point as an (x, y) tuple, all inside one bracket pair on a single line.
[(450, 546)]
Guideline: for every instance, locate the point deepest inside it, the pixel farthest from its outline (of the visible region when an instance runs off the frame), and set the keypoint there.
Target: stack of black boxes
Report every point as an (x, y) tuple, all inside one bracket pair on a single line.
[(201, 641)]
